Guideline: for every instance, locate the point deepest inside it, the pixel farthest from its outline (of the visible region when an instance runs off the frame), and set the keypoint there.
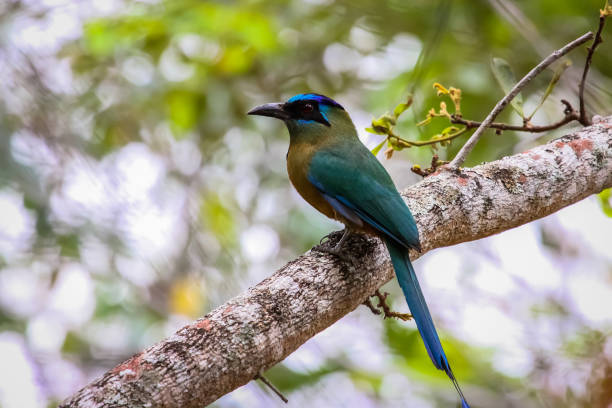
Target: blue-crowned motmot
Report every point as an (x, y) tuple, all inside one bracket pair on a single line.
[(337, 174)]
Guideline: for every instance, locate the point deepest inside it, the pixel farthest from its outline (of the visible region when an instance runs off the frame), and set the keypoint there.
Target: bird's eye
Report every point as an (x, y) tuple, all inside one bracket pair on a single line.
[(308, 108)]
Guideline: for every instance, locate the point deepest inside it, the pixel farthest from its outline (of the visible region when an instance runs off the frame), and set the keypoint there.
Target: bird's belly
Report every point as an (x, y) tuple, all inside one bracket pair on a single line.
[(309, 192), (298, 175)]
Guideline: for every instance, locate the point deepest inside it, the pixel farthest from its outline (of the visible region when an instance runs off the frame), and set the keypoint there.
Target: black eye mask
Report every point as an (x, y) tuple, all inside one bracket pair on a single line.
[(305, 110)]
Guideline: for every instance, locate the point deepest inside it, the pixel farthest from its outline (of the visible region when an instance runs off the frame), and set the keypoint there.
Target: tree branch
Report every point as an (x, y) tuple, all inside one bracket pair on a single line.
[(230, 346), (469, 145)]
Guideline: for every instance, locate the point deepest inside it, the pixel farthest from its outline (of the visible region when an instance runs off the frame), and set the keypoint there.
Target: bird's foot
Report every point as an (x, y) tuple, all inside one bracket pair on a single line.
[(336, 250), (386, 309), (326, 238)]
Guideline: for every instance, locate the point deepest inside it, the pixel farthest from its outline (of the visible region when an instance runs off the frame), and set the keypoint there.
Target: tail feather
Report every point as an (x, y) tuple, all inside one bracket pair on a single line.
[(420, 312)]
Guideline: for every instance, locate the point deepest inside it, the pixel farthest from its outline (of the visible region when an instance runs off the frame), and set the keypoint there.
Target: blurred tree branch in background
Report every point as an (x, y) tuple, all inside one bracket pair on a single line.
[(256, 330)]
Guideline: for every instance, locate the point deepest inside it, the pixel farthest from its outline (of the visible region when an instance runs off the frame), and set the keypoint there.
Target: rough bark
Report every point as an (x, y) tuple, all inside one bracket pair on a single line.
[(259, 328)]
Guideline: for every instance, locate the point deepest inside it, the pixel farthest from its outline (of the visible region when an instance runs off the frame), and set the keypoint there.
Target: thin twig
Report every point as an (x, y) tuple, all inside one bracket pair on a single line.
[(386, 309), (469, 145), (470, 124), (584, 120), (418, 143), (272, 387), (370, 306)]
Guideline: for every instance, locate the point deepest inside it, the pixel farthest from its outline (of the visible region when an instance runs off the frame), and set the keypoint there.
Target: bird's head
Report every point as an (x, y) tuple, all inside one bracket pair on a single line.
[(308, 113)]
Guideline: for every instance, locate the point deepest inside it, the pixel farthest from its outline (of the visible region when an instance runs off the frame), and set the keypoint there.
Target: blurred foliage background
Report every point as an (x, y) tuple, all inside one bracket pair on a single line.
[(136, 195)]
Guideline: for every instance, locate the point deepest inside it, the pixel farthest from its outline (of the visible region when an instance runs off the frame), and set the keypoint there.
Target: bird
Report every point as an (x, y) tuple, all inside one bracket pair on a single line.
[(335, 173)]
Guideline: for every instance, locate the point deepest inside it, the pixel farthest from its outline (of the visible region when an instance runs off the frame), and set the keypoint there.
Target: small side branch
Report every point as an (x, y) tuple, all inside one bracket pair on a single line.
[(435, 163), (570, 116), (272, 387), (584, 119), (418, 143), (386, 309), (469, 145), (371, 306)]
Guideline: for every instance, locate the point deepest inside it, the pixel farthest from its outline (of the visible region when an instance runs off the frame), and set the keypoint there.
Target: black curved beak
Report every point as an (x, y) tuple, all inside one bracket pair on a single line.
[(273, 110)]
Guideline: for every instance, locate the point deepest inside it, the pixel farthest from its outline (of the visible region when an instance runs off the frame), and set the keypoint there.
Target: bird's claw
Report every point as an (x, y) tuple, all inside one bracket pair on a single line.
[(325, 247)]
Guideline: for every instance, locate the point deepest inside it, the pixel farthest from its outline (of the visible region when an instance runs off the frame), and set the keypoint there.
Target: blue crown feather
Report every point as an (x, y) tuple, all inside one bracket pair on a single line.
[(322, 99)]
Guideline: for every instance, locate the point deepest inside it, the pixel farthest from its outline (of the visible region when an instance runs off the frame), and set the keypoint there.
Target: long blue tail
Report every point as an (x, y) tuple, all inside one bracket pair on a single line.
[(416, 302)]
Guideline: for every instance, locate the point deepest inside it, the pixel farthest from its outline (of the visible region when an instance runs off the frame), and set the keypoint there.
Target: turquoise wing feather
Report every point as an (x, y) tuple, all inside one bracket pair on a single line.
[(350, 174)]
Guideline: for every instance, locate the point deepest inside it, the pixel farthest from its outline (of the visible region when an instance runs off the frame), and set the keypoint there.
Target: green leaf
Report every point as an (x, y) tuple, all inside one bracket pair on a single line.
[(556, 76), (379, 125), (605, 198), (506, 80), (378, 147), (386, 121), (382, 125), (449, 130), (376, 131), (401, 108)]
